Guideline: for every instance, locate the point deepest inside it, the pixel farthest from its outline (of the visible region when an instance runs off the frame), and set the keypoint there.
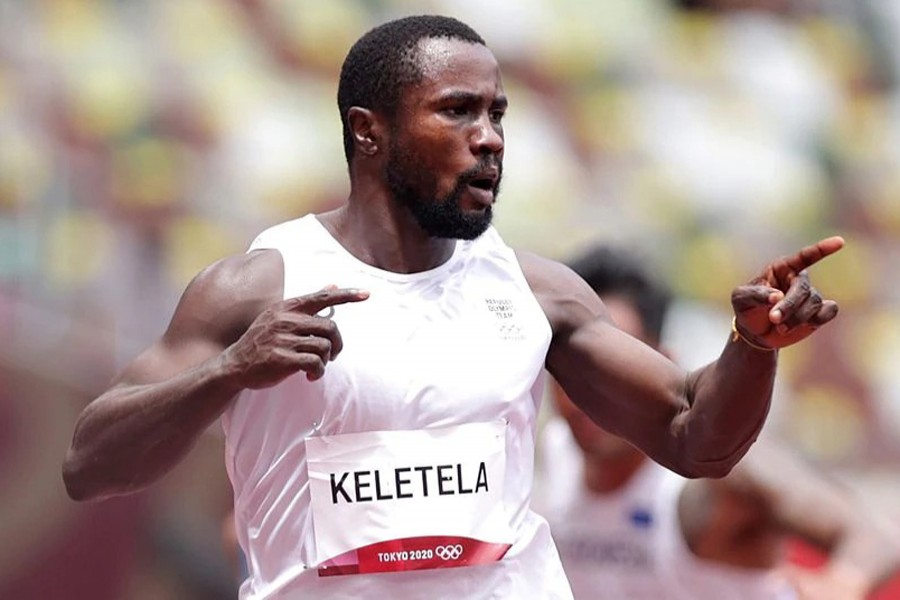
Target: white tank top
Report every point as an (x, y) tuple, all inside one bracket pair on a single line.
[(415, 450), (629, 544)]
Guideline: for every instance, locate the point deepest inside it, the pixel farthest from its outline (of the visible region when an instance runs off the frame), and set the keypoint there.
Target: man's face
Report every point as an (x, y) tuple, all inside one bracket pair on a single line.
[(588, 435), (445, 151)]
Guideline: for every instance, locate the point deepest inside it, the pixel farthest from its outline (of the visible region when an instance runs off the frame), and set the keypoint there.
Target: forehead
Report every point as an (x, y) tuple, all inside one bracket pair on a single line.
[(448, 63)]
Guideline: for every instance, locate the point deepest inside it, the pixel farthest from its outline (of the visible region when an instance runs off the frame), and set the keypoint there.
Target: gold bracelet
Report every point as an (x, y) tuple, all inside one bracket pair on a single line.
[(736, 335)]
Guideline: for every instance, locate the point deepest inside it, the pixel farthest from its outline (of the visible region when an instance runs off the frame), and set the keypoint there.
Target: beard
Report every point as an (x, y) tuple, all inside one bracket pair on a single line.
[(439, 217)]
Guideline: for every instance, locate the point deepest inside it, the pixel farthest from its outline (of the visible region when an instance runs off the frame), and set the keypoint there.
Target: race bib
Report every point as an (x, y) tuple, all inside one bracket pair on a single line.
[(409, 500)]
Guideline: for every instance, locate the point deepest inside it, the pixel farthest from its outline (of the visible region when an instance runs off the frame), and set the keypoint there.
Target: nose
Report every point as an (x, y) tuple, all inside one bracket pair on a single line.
[(487, 138)]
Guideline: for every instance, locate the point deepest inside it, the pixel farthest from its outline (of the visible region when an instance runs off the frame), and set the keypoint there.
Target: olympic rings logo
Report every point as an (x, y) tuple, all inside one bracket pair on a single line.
[(449, 552)]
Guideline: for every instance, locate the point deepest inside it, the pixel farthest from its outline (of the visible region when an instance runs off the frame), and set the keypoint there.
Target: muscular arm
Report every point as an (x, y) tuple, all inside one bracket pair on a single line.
[(676, 417), (159, 405), (231, 331), (697, 423)]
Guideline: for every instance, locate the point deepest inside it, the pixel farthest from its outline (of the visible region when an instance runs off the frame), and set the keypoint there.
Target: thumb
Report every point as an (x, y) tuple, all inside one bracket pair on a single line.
[(754, 295)]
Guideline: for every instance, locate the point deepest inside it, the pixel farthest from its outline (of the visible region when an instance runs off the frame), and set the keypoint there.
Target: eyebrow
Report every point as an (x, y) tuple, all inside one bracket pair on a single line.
[(466, 97)]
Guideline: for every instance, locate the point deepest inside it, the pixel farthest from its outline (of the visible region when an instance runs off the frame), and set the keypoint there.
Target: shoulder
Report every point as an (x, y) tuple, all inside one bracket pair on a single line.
[(566, 299), (225, 297), (258, 274)]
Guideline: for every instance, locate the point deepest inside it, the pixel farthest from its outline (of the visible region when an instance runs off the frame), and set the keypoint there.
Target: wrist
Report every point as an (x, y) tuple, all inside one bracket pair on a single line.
[(226, 372), (738, 336)]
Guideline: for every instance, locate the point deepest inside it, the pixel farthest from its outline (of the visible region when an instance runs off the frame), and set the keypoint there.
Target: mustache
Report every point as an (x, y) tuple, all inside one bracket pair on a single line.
[(486, 163)]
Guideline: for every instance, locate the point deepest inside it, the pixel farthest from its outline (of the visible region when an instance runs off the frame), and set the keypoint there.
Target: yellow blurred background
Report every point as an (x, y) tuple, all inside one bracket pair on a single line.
[(140, 141)]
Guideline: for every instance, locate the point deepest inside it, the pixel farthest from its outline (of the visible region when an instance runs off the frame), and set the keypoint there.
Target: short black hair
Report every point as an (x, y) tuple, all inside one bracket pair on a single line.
[(383, 61), (616, 270)]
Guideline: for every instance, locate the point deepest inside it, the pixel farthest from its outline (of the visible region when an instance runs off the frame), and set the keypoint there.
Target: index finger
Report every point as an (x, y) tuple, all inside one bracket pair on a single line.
[(813, 253), (313, 303)]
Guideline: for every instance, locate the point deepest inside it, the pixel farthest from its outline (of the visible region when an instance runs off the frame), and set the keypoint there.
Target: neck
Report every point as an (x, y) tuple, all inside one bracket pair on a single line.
[(374, 228), (605, 475)]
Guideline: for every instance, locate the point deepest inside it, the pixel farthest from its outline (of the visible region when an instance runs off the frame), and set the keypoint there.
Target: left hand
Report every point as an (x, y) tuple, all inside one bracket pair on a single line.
[(780, 307)]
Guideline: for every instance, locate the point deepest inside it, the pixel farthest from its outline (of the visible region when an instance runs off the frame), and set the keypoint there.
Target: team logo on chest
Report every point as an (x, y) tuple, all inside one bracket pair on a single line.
[(505, 318)]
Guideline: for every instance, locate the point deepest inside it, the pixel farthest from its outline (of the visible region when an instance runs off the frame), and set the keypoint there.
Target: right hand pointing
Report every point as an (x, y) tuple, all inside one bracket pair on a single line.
[(780, 307), (289, 337)]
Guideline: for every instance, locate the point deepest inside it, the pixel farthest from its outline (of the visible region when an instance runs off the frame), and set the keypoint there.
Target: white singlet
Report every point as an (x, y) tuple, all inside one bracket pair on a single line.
[(406, 471), (628, 543)]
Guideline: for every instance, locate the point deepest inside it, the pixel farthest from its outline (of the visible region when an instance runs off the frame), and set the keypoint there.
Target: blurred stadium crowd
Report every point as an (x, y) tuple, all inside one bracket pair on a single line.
[(140, 141)]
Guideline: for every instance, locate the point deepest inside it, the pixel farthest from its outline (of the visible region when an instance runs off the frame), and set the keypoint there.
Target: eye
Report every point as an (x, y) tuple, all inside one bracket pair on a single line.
[(497, 115), (457, 111)]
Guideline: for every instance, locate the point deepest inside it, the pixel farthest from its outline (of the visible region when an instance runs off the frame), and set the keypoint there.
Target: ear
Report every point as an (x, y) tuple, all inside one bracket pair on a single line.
[(366, 129)]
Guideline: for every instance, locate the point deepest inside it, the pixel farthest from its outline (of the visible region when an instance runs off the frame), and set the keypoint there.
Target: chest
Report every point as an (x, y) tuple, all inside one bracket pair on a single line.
[(434, 354)]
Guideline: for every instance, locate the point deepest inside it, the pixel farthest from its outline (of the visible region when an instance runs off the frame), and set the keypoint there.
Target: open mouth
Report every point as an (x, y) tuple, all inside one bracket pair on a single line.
[(483, 183)]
